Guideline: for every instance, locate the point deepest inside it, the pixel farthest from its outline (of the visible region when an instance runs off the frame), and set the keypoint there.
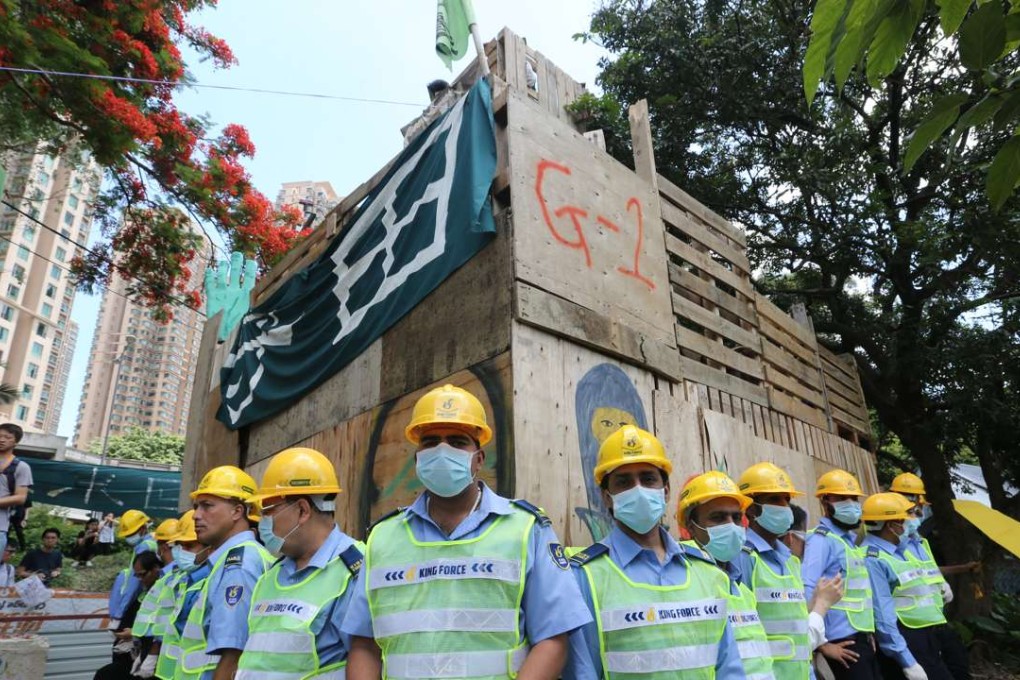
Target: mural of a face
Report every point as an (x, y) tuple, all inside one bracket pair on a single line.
[(605, 401)]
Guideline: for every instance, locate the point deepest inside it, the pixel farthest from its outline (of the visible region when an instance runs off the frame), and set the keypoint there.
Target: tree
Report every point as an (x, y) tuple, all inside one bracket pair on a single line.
[(154, 155), (9, 393), (142, 445), (894, 267)]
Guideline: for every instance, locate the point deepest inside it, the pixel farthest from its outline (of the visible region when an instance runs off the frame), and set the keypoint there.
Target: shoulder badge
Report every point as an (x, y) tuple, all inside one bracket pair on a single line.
[(232, 595), (235, 558), (353, 559), (749, 549), (592, 552), (558, 557), (540, 516), (822, 530), (873, 551)]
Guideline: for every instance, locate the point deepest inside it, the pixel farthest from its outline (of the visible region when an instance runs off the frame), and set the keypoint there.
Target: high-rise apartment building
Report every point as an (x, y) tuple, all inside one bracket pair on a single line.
[(313, 199), (36, 294), (140, 370)]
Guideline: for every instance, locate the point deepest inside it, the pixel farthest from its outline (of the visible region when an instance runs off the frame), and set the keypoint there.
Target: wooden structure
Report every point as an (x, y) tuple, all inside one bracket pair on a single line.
[(608, 296)]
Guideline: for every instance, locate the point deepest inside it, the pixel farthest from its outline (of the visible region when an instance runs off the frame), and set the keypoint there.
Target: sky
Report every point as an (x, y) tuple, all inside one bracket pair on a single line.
[(383, 49)]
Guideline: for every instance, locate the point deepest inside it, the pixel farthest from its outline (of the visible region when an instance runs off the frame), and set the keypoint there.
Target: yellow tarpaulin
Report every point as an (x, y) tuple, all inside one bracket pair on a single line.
[(1000, 528)]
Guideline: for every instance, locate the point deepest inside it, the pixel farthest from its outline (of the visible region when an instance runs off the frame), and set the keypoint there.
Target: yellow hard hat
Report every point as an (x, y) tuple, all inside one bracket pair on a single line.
[(766, 478), (882, 506), (298, 472), (706, 487), (166, 530), (130, 522), (838, 483), (186, 528), (255, 510), (630, 444), (449, 405), (226, 481), (908, 484)]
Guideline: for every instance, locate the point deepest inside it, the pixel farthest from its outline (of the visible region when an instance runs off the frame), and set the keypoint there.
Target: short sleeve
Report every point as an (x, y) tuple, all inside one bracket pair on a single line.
[(22, 475), (552, 603)]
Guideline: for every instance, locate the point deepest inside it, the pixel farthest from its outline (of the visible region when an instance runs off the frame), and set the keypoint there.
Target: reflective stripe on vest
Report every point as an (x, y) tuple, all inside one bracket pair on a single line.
[(656, 631), (170, 650), (916, 607), (194, 660), (857, 599), (752, 642), (145, 618), (128, 572), (784, 616), (449, 608), (933, 575), (281, 644)]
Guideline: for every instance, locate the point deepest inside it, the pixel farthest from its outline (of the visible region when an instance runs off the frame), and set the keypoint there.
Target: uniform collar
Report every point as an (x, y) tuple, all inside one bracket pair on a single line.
[(330, 548), (849, 536), (757, 542), (231, 542), (882, 544), (627, 549), (490, 503)]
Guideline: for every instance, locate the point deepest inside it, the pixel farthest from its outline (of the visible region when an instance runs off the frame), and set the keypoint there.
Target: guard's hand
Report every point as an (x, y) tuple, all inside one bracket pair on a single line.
[(828, 591), (947, 592), (915, 672), (147, 668), (840, 652)]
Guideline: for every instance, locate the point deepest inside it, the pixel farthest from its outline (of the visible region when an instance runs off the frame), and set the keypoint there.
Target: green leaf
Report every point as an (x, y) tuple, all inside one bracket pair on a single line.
[(976, 116), (1002, 179), (891, 38), (938, 120), (826, 17), (1005, 117), (983, 36), (951, 14), (861, 21)]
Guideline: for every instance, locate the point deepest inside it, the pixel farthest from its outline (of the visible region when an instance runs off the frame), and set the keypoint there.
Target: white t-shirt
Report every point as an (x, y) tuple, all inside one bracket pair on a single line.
[(105, 533), (22, 477)]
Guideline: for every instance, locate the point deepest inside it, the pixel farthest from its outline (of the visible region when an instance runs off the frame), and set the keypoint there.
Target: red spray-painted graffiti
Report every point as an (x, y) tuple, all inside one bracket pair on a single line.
[(576, 216)]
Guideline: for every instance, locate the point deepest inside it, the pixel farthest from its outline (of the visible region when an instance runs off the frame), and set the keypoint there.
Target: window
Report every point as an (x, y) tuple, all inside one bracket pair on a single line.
[(29, 234), (68, 218), (43, 178), (3, 333), (37, 349), (6, 312), (23, 253), (22, 413), (13, 291), (40, 329), (47, 310), (26, 391), (32, 371), (18, 272), (55, 271), (72, 201), (51, 291), (60, 254)]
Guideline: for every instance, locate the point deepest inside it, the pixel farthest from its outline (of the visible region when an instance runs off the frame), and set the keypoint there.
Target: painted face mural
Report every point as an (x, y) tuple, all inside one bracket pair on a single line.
[(605, 401)]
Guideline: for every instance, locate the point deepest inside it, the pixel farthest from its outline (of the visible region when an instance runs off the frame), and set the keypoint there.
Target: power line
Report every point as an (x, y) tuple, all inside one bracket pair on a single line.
[(233, 88)]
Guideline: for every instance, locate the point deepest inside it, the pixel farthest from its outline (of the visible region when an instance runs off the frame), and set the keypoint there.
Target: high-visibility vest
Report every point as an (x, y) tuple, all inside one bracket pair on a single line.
[(128, 572), (657, 632), (145, 619), (857, 602), (170, 647), (171, 586), (784, 615), (194, 660), (916, 606), (449, 608), (933, 575), (281, 644), (752, 641)]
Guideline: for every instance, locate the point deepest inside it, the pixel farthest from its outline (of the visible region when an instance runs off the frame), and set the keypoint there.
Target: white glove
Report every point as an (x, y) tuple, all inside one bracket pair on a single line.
[(136, 665), (947, 592), (114, 625), (145, 669), (915, 672)]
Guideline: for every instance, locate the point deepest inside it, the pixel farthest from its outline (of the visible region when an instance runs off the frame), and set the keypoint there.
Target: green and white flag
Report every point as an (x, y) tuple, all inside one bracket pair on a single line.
[(453, 30), (429, 215)]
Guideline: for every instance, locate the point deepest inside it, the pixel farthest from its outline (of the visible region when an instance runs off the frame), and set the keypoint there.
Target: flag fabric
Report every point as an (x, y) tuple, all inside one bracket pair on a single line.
[(453, 30), (429, 215)]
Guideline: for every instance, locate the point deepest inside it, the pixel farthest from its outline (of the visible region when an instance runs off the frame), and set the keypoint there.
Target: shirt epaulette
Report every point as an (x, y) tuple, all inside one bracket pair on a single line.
[(822, 530), (353, 558), (388, 515), (235, 558), (696, 553), (590, 553), (873, 551), (540, 516), (748, 548)]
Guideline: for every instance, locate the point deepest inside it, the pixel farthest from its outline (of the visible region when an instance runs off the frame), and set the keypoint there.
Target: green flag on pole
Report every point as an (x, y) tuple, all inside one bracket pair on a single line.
[(453, 30)]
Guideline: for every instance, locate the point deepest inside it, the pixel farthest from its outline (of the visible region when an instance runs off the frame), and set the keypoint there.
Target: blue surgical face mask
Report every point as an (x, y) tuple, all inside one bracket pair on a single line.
[(847, 512), (640, 508), (444, 470), (911, 526), (185, 560), (133, 540), (725, 541), (776, 519), (175, 553), (273, 543)]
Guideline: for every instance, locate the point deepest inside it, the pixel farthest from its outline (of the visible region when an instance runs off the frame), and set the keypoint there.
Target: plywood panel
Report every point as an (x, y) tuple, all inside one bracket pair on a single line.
[(586, 228), (678, 426)]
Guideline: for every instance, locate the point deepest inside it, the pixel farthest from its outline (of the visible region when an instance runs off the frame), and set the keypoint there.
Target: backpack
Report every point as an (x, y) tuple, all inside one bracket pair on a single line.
[(18, 511)]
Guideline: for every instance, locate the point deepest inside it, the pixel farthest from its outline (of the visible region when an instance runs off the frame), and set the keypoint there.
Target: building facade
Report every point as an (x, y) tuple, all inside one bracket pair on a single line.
[(37, 337), (313, 199), (139, 372)]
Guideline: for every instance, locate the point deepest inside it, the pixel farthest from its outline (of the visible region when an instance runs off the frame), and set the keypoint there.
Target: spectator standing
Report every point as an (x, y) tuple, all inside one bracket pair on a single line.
[(46, 561), (15, 477), (106, 534)]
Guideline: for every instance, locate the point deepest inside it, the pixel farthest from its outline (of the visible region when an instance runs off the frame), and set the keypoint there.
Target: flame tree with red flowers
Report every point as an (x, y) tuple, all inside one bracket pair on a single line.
[(163, 168)]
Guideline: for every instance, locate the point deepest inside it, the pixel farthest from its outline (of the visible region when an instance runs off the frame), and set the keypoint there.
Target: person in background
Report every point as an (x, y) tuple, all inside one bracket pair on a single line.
[(15, 477), (7, 577), (106, 535), (45, 561), (86, 544), (145, 568), (796, 537)]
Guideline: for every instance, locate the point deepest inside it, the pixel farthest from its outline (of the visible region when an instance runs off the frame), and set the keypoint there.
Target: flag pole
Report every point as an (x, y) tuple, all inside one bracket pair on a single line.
[(483, 61)]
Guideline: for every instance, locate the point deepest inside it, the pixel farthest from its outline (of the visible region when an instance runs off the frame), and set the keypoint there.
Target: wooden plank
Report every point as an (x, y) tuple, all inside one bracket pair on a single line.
[(848, 371), (686, 309), (641, 141), (838, 376), (690, 204), (784, 321), (591, 329), (758, 421), (706, 375), (715, 350), (680, 220), (854, 422), (794, 407), (806, 373), (784, 340), (706, 264), (835, 387), (712, 293), (854, 409), (791, 385), (778, 428)]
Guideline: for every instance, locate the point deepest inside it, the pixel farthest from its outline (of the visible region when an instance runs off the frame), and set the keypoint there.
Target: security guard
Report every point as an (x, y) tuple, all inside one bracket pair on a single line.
[(145, 618), (217, 625), (317, 573), (164, 535), (905, 607), (772, 572), (176, 600), (712, 510), (659, 607), (463, 582), (831, 550), (134, 529)]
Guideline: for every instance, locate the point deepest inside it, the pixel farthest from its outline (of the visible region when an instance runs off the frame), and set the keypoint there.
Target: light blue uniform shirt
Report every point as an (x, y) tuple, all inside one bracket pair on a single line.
[(199, 574), (229, 598), (826, 557), (883, 580), (774, 557), (168, 568), (331, 644), (642, 566), (119, 602), (915, 547), (551, 605)]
